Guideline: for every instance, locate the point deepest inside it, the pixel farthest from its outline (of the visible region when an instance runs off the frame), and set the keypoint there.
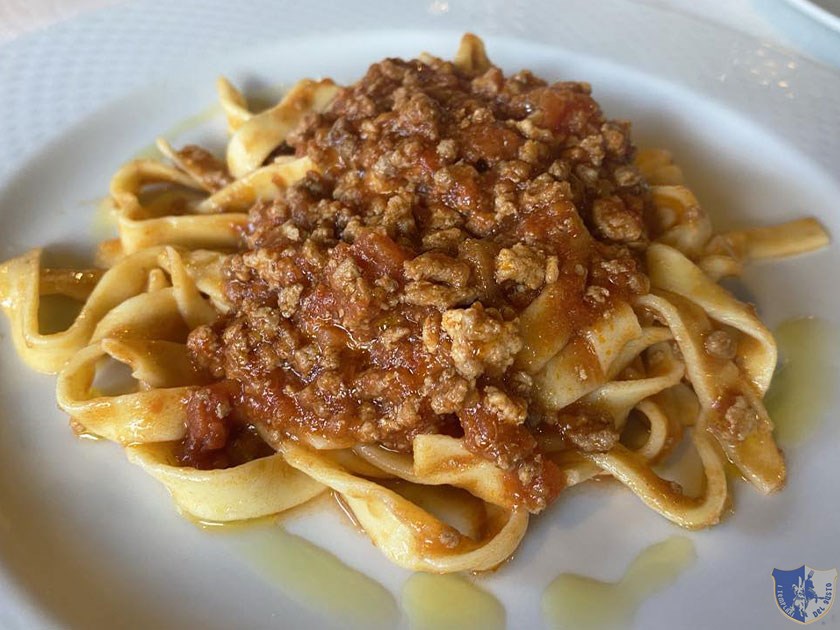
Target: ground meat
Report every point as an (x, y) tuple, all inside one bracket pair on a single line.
[(587, 429), (215, 439), (379, 298), (422, 293), (521, 264), (505, 407), (738, 421), (205, 347), (720, 345), (614, 222), (438, 268), (437, 280), (481, 342), (212, 172)]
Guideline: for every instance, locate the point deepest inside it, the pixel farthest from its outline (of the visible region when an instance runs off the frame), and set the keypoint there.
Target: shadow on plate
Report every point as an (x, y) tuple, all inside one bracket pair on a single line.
[(56, 564)]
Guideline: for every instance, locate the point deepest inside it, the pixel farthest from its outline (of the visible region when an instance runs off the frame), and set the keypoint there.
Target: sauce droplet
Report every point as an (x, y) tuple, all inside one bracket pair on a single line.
[(443, 602), (313, 577), (580, 602), (801, 390)]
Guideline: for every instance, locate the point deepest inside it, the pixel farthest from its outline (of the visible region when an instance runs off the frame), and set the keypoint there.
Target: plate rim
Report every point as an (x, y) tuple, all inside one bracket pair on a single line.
[(818, 13)]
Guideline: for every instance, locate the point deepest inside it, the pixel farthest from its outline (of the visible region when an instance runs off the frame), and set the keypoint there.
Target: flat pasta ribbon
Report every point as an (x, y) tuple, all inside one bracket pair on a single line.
[(670, 270), (717, 382), (406, 533), (23, 281), (255, 138), (257, 488), (168, 222)]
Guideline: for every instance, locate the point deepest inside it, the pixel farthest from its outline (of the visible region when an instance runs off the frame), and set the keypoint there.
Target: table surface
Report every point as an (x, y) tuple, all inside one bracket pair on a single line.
[(774, 21)]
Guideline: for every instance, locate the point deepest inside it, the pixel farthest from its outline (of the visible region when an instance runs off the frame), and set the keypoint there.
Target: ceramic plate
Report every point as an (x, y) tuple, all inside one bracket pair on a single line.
[(88, 540), (825, 11)]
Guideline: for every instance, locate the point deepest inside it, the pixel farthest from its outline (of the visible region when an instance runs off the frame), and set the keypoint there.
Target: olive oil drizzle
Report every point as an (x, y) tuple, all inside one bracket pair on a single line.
[(801, 391), (580, 602), (450, 602)]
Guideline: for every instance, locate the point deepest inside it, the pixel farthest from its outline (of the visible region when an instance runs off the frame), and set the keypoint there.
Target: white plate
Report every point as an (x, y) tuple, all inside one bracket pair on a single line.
[(825, 11), (87, 540)]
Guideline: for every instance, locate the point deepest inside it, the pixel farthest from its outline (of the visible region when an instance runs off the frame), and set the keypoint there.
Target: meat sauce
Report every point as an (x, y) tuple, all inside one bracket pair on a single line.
[(379, 298)]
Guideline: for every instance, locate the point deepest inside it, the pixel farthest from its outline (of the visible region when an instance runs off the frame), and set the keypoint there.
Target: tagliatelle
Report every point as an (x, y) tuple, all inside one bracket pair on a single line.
[(261, 487), (407, 534), (253, 141), (372, 290)]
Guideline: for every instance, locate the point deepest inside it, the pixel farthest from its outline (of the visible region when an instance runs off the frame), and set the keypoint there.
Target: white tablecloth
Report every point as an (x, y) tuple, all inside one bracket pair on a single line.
[(775, 21)]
